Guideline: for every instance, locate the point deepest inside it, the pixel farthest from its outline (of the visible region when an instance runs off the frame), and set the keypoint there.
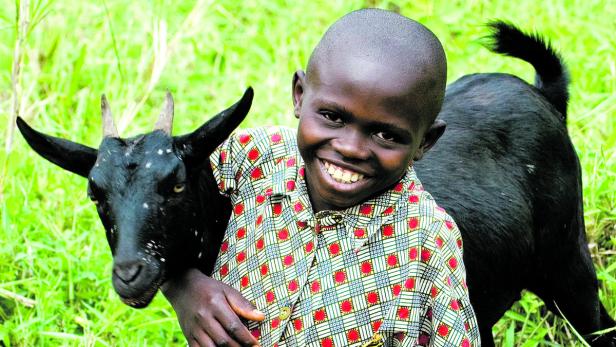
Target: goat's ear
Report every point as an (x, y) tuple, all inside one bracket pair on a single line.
[(198, 145), (68, 155)]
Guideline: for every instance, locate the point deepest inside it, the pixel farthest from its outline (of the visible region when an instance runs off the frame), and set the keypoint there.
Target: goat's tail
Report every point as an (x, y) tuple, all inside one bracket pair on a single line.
[(552, 79)]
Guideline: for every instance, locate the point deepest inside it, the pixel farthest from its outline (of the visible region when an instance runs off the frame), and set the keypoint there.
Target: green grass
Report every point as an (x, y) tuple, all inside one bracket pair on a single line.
[(52, 247)]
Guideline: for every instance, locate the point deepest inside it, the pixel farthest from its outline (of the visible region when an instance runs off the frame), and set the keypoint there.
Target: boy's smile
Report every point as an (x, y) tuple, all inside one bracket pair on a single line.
[(361, 125)]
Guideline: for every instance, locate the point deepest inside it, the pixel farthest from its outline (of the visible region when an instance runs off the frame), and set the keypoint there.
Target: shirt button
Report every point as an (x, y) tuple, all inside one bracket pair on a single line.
[(337, 218), (285, 312), (375, 341)]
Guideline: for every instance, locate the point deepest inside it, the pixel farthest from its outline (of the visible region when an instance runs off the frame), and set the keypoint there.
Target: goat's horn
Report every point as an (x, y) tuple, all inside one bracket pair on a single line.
[(165, 120), (109, 129)]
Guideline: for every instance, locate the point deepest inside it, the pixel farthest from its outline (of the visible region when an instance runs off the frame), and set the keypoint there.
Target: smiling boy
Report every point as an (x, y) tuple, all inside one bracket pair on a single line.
[(332, 236)]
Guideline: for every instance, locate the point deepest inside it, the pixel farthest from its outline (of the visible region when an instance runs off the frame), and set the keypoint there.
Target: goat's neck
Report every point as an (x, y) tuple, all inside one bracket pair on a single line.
[(211, 218)]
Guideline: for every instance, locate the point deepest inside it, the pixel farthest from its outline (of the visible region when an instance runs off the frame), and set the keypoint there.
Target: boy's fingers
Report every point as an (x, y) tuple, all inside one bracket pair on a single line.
[(229, 331), (229, 323), (201, 340), (243, 307)]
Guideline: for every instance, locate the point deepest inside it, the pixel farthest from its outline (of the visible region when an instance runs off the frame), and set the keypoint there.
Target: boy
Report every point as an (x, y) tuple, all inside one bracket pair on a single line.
[(332, 236)]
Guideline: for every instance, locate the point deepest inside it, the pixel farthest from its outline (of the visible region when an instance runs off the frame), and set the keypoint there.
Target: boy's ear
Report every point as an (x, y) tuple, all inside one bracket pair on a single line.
[(198, 145), (432, 135), (68, 155), (299, 80)]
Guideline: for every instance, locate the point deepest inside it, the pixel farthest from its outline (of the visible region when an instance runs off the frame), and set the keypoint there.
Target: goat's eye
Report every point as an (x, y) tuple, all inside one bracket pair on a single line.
[(92, 196), (178, 188)]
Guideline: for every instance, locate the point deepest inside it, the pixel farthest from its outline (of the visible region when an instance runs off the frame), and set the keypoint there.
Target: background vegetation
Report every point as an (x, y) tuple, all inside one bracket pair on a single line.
[(59, 56)]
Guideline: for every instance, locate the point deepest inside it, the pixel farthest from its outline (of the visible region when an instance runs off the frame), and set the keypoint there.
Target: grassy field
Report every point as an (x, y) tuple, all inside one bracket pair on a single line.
[(55, 287)]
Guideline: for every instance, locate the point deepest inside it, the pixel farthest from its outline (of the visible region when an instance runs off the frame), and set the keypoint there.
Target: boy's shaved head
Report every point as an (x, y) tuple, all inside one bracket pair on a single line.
[(367, 106), (385, 37)]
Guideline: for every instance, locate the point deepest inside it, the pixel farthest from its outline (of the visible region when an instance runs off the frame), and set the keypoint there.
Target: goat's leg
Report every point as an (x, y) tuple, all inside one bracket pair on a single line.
[(607, 322), (490, 305), (569, 286), (485, 331)]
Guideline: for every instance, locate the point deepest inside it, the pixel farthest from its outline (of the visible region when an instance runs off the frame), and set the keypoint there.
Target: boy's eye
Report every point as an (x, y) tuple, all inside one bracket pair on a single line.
[(332, 117), (386, 136)]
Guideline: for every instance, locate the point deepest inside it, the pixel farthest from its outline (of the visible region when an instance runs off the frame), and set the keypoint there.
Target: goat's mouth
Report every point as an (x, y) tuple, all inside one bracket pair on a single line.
[(139, 290), (142, 300)]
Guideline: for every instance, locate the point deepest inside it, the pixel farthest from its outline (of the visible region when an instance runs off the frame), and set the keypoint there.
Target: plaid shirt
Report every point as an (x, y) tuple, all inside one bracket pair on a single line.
[(388, 272)]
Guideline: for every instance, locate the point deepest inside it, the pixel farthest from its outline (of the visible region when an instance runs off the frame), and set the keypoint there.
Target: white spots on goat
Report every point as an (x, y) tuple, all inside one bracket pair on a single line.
[(195, 232), (530, 168), (168, 150), (200, 254), (160, 152), (148, 165), (162, 260), (152, 248), (145, 205)]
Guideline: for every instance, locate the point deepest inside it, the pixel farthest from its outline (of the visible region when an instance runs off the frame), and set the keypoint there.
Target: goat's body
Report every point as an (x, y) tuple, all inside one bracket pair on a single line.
[(507, 172)]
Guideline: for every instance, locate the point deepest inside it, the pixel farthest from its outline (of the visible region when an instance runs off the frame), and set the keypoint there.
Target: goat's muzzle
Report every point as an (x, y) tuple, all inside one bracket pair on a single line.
[(136, 280)]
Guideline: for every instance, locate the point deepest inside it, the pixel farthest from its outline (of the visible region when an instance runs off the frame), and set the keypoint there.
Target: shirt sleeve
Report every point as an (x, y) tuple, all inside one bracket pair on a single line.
[(448, 319), (223, 166), (238, 158), (249, 155)]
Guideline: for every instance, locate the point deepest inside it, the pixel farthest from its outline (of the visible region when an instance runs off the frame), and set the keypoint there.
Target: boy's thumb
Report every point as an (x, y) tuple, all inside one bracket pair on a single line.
[(243, 307)]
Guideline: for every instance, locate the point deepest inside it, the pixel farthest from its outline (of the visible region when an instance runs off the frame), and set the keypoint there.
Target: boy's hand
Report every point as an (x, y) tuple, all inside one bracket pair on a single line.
[(209, 311)]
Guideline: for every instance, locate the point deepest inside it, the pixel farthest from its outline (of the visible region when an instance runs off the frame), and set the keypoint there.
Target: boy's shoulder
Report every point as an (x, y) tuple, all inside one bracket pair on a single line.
[(250, 155), (265, 136), (421, 202), (266, 146)]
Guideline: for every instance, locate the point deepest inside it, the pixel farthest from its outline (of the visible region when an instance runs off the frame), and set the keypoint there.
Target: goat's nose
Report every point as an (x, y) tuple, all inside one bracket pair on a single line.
[(128, 271)]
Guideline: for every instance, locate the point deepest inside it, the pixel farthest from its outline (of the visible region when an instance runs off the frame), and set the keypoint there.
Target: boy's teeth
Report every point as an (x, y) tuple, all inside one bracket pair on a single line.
[(341, 175)]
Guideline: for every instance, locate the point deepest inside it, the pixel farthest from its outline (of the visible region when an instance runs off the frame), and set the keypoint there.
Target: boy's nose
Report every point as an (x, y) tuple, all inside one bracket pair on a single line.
[(353, 145)]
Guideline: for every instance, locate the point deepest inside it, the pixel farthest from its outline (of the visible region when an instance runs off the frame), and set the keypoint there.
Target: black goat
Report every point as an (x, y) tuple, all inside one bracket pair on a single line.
[(505, 169), (160, 207), (507, 172)]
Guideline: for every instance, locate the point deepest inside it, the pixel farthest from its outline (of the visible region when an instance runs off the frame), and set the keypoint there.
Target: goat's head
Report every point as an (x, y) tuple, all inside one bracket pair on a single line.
[(146, 190)]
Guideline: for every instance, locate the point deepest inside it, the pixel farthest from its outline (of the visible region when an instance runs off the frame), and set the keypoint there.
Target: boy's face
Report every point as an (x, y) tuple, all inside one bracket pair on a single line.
[(361, 125)]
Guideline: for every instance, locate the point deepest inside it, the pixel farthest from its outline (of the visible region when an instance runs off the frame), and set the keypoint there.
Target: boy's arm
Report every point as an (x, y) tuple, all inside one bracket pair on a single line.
[(449, 319), (209, 311)]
